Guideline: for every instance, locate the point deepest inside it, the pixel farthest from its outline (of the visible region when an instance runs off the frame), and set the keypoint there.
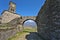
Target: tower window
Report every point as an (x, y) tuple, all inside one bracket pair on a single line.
[(12, 9)]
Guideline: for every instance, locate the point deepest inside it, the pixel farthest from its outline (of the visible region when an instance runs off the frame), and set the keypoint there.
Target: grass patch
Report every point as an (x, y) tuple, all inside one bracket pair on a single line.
[(30, 30), (20, 33), (5, 25), (16, 36)]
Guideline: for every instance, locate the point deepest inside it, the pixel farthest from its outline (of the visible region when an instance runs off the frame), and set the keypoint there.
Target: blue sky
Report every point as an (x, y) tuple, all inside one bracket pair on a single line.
[(23, 7)]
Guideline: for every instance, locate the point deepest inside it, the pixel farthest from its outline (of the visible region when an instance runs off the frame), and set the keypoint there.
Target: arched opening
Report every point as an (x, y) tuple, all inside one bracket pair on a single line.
[(30, 24)]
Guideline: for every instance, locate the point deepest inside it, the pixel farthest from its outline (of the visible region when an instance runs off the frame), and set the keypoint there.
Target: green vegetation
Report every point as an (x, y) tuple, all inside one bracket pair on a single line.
[(26, 30), (14, 37), (30, 30), (5, 26)]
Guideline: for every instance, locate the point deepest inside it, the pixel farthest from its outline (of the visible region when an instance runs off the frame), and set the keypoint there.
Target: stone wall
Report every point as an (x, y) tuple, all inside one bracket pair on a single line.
[(9, 29), (7, 33), (48, 20), (8, 16)]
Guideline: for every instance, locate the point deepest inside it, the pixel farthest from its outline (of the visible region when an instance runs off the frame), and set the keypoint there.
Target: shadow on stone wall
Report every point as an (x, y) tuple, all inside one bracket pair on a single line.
[(33, 36)]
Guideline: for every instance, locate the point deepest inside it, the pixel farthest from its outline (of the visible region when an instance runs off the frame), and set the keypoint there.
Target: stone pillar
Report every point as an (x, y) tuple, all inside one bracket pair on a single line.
[(48, 20)]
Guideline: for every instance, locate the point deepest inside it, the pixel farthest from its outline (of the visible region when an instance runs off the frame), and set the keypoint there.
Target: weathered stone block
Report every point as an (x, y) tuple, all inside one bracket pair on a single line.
[(8, 16)]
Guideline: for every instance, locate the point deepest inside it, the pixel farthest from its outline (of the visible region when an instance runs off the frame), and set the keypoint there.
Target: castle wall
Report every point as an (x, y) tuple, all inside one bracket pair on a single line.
[(48, 20), (8, 16), (7, 33)]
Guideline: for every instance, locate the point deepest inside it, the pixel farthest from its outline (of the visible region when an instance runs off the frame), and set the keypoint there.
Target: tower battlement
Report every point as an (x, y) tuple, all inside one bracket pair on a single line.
[(12, 7)]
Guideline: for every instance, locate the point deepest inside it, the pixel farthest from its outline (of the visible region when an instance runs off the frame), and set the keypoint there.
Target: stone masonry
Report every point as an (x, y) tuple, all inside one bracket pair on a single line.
[(48, 20), (7, 33), (8, 16)]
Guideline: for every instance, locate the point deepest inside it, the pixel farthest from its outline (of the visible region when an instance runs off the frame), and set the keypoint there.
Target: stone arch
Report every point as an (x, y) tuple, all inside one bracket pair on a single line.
[(29, 19), (29, 26)]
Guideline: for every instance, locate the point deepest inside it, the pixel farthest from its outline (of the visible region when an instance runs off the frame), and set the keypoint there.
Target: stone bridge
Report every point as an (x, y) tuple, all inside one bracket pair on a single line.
[(25, 18)]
